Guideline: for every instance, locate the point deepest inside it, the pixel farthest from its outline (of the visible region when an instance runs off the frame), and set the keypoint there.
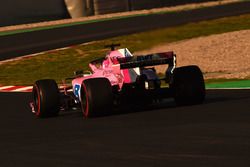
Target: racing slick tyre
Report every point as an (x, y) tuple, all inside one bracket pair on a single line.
[(188, 85), (96, 97), (46, 98)]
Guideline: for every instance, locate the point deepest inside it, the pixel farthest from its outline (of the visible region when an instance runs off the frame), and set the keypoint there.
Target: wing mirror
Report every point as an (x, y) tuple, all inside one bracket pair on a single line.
[(78, 72)]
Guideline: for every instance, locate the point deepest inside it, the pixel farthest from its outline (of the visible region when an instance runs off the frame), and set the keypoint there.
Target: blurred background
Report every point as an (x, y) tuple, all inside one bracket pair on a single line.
[(29, 11)]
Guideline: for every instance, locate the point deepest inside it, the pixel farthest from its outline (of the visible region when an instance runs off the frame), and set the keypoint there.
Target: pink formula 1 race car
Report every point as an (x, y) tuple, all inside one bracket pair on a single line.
[(119, 79)]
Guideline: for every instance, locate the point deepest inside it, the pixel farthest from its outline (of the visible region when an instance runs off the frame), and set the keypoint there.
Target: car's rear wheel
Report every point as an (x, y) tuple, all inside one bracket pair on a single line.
[(96, 97), (46, 98), (188, 85)]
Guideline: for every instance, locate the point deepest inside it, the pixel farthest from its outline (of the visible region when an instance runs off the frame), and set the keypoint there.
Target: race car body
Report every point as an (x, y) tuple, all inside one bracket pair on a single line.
[(118, 79)]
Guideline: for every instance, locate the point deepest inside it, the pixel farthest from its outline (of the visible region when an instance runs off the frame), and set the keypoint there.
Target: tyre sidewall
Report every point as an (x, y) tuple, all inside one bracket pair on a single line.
[(99, 97), (188, 85), (48, 97)]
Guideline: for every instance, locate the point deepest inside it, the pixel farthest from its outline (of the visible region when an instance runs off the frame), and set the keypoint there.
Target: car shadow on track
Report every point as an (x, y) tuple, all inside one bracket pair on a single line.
[(213, 96)]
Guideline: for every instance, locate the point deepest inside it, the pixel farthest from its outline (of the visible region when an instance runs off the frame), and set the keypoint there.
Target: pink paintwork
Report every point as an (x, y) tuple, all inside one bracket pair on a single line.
[(109, 68), (120, 67)]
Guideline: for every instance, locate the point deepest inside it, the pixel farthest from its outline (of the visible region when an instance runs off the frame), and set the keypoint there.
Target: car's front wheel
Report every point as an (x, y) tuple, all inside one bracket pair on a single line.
[(46, 98)]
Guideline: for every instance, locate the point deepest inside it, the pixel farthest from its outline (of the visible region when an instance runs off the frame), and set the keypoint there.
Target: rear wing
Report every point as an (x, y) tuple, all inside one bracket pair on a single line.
[(148, 60)]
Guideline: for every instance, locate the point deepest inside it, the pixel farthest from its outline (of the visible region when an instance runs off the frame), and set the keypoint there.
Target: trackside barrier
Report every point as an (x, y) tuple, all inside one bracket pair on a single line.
[(78, 8), (29, 11)]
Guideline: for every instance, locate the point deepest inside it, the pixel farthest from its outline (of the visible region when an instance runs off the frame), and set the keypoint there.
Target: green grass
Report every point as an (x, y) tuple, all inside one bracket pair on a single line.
[(62, 64), (229, 84)]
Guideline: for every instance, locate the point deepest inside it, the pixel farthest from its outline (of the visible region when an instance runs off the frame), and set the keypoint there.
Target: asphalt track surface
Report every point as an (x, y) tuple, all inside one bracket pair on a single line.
[(32, 42), (216, 133)]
